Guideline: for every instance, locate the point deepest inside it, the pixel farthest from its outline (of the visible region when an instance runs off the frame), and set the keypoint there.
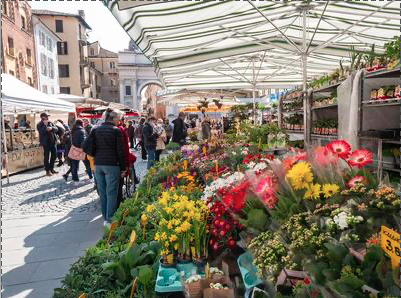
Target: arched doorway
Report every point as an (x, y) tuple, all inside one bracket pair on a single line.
[(148, 103)]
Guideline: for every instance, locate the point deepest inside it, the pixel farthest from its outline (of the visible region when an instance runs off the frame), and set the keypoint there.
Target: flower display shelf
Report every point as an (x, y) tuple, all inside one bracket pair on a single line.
[(168, 279), (249, 280), (334, 137), (334, 105), (328, 88), (383, 73), (381, 103)]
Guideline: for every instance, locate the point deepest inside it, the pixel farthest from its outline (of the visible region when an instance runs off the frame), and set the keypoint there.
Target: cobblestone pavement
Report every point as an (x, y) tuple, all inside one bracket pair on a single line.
[(47, 224)]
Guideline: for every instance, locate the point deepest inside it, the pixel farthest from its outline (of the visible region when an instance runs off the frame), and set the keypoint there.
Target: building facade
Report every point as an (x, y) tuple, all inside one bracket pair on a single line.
[(18, 47), (72, 50), (105, 62), (135, 72), (46, 56)]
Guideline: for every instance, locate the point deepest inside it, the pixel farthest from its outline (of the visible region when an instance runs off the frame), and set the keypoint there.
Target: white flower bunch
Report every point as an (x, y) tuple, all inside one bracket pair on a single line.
[(193, 279), (343, 220), (217, 286), (219, 183), (255, 167), (215, 270)]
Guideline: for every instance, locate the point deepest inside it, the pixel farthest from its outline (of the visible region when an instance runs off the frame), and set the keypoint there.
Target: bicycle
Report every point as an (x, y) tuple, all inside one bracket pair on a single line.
[(130, 182)]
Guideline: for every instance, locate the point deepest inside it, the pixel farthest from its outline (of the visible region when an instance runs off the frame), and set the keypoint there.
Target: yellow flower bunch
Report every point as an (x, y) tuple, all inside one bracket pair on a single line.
[(300, 176), (175, 215)]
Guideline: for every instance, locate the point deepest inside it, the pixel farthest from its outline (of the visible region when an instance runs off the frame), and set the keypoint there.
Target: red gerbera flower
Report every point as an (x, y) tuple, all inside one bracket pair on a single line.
[(355, 180), (360, 158), (341, 148), (307, 281)]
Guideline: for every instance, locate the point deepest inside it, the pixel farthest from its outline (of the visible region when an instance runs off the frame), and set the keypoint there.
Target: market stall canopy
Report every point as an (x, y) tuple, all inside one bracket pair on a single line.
[(238, 44), (185, 96), (81, 101), (19, 97)]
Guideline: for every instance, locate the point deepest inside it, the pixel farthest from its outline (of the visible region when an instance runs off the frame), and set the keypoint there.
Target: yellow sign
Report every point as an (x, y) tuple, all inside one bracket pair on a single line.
[(204, 150), (390, 243), (133, 288), (132, 239), (113, 226)]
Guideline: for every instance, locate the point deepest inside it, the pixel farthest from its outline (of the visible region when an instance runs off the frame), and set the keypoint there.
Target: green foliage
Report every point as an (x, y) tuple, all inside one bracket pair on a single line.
[(172, 146)]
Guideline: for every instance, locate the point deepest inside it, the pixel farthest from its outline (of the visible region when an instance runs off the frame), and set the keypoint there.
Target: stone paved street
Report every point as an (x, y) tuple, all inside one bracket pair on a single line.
[(46, 226)]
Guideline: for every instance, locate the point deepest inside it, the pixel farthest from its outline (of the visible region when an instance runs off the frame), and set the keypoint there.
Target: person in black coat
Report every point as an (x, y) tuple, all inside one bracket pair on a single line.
[(78, 137), (180, 129), (47, 138), (149, 136)]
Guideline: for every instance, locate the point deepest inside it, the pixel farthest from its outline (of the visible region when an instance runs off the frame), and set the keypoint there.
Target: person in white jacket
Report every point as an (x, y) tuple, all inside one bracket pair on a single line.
[(161, 140)]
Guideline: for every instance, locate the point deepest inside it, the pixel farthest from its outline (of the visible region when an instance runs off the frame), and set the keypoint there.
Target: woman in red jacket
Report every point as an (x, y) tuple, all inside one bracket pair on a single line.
[(130, 160)]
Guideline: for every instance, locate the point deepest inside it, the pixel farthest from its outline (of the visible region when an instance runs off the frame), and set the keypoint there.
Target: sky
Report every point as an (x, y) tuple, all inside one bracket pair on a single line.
[(105, 27)]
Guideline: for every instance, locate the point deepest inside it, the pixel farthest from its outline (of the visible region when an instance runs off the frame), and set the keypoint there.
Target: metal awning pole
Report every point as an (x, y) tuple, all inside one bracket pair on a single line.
[(305, 77), (254, 91), (5, 145)]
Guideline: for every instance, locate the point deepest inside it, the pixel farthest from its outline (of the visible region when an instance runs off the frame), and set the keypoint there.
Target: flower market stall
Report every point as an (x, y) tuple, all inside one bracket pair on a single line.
[(246, 214), (20, 145), (231, 217)]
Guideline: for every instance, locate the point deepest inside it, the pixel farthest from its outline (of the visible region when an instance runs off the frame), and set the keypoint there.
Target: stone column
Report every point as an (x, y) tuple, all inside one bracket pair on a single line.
[(122, 91), (134, 91)]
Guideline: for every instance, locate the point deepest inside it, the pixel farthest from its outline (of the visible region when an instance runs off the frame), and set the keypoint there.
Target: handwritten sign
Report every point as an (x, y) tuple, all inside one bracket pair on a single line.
[(113, 226), (390, 243)]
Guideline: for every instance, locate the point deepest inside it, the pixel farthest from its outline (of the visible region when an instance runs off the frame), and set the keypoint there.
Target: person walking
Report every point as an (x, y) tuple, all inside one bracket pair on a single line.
[(67, 146), (139, 137), (161, 140), (206, 129), (107, 146), (87, 126), (131, 134), (60, 144), (47, 138), (78, 137), (149, 137), (169, 130), (180, 129)]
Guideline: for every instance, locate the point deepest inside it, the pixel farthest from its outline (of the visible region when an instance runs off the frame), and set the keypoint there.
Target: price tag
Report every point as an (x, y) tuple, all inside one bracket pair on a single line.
[(390, 243), (113, 226)]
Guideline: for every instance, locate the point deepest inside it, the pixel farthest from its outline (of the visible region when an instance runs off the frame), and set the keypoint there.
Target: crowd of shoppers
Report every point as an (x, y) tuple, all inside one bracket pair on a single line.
[(105, 150)]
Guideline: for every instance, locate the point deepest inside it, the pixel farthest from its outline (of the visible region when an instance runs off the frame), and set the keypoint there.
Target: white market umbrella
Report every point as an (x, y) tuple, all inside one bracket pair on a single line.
[(19, 97)]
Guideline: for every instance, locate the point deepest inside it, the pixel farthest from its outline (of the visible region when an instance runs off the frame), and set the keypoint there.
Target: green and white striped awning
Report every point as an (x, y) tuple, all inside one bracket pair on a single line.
[(234, 44)]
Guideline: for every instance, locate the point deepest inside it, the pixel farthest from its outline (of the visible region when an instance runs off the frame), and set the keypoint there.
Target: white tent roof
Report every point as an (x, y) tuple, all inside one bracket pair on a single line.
[(233, 44), (17, 96)]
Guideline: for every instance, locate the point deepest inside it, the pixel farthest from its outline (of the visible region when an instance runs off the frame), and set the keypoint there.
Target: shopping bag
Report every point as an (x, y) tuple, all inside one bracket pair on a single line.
[(76, 153)]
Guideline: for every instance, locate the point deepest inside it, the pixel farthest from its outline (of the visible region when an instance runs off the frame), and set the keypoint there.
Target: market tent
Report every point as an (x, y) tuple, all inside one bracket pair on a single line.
[(262, 44), (19, 97), (190, 97)]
